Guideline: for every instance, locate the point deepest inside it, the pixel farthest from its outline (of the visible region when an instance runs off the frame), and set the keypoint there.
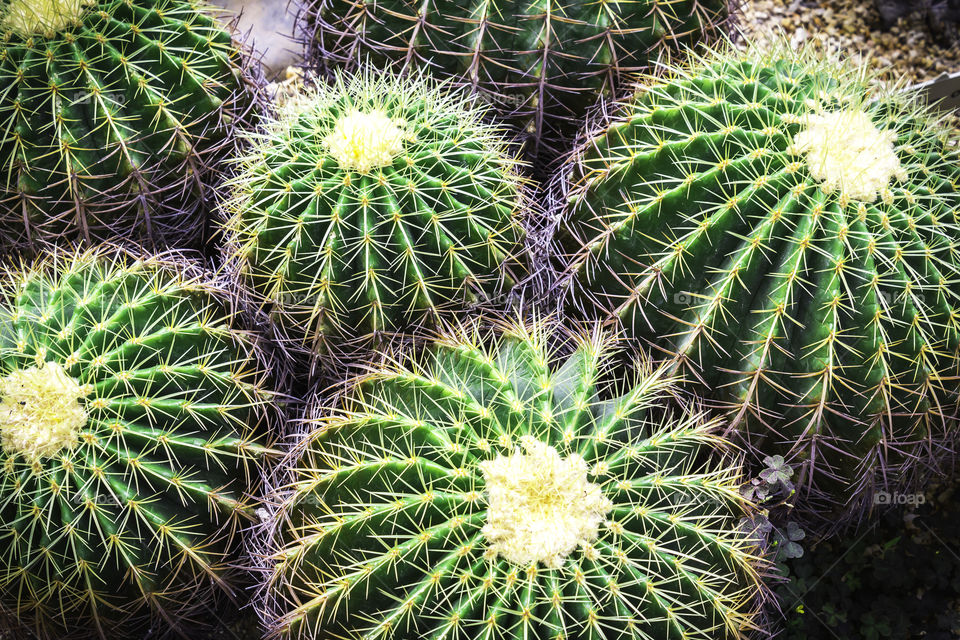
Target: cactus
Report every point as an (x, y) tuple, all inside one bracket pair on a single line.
[(786, 231), (542, 63), (372, 204), (132, 420), (494, 488), (113, 112)]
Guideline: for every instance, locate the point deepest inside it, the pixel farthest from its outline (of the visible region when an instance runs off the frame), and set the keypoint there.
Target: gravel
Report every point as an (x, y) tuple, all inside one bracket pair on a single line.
[(908, 52)]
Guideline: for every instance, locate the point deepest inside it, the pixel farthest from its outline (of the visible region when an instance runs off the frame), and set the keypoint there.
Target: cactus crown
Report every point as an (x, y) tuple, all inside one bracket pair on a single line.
[(40, 411), (846, 151), (362, 141), (541, 506), (42, 17), (501, 487)]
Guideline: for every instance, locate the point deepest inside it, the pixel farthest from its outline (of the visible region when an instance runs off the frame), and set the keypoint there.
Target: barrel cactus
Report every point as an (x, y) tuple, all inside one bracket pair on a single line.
[(132, 423), (113, 112), (543, 63), (786, 231), (369, 205), (496, 488)]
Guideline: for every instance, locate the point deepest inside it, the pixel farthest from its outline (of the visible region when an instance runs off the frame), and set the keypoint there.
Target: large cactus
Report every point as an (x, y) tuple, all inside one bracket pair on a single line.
[(371, 205), (788, 234), (496, 489), (542, 62), (112, 112), (132, 419)]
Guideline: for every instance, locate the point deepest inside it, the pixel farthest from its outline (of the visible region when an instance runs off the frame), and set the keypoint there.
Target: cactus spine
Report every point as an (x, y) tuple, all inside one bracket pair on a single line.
[(788, 234), (544, 63), (132, 421), (371, 205), (495, 489), (113, 112)]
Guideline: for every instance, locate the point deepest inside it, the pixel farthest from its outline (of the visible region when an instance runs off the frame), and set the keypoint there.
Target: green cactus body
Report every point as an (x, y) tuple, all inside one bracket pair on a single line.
[(132, 423), (543, 62), (789, 236), (371, 205), (493, 490), (112, 112)]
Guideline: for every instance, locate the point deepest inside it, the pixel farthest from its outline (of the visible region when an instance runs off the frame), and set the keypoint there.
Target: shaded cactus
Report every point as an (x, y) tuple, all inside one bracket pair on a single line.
[(788, 235), (373, 204), (543, 63), (497, 489), (133, 420), (112, 113)]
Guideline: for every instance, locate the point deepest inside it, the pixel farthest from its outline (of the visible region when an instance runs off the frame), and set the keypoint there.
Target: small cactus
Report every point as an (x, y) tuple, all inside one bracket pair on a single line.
[(787, 233), (543, 63), (373, 204), (495, 489), (132, 423), (112, 113)]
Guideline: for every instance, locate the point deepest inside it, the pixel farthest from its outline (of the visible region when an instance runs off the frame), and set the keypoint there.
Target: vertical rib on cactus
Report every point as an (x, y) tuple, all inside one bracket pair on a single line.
[(371, 206), (133, 420), (788, 234), (113, 112), (543, 63), (493, 488)]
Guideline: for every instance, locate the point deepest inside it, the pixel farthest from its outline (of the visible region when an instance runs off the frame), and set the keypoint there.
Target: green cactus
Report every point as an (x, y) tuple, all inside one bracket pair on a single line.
[(112, 113), (543, 63), (133, 419), (496, 489), (372, 204), (787, 232)]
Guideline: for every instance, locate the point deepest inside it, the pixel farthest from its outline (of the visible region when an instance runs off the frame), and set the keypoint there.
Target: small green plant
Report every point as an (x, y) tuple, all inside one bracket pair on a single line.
[(543, 63), (786, 233), (112, 113), (495, 487), (133, 418), (372, 205), (898, 576)]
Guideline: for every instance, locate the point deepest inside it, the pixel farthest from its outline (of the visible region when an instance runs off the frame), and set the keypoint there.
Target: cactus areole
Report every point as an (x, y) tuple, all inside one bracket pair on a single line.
[(493, 489), (789, 235)]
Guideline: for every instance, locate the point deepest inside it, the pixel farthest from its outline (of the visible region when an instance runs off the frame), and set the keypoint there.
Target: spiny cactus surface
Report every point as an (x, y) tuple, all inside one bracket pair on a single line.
[(787, 233), (112, 112), (371, 205), (499, 490), (542, 62), (131, 424)]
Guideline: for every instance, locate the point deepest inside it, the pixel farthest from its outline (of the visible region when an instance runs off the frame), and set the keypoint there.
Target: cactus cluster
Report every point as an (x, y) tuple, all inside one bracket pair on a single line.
[(112, 113), (373, 204), (133, 423), (786, 234), (497, 487), (754, 256), (543, 63)]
